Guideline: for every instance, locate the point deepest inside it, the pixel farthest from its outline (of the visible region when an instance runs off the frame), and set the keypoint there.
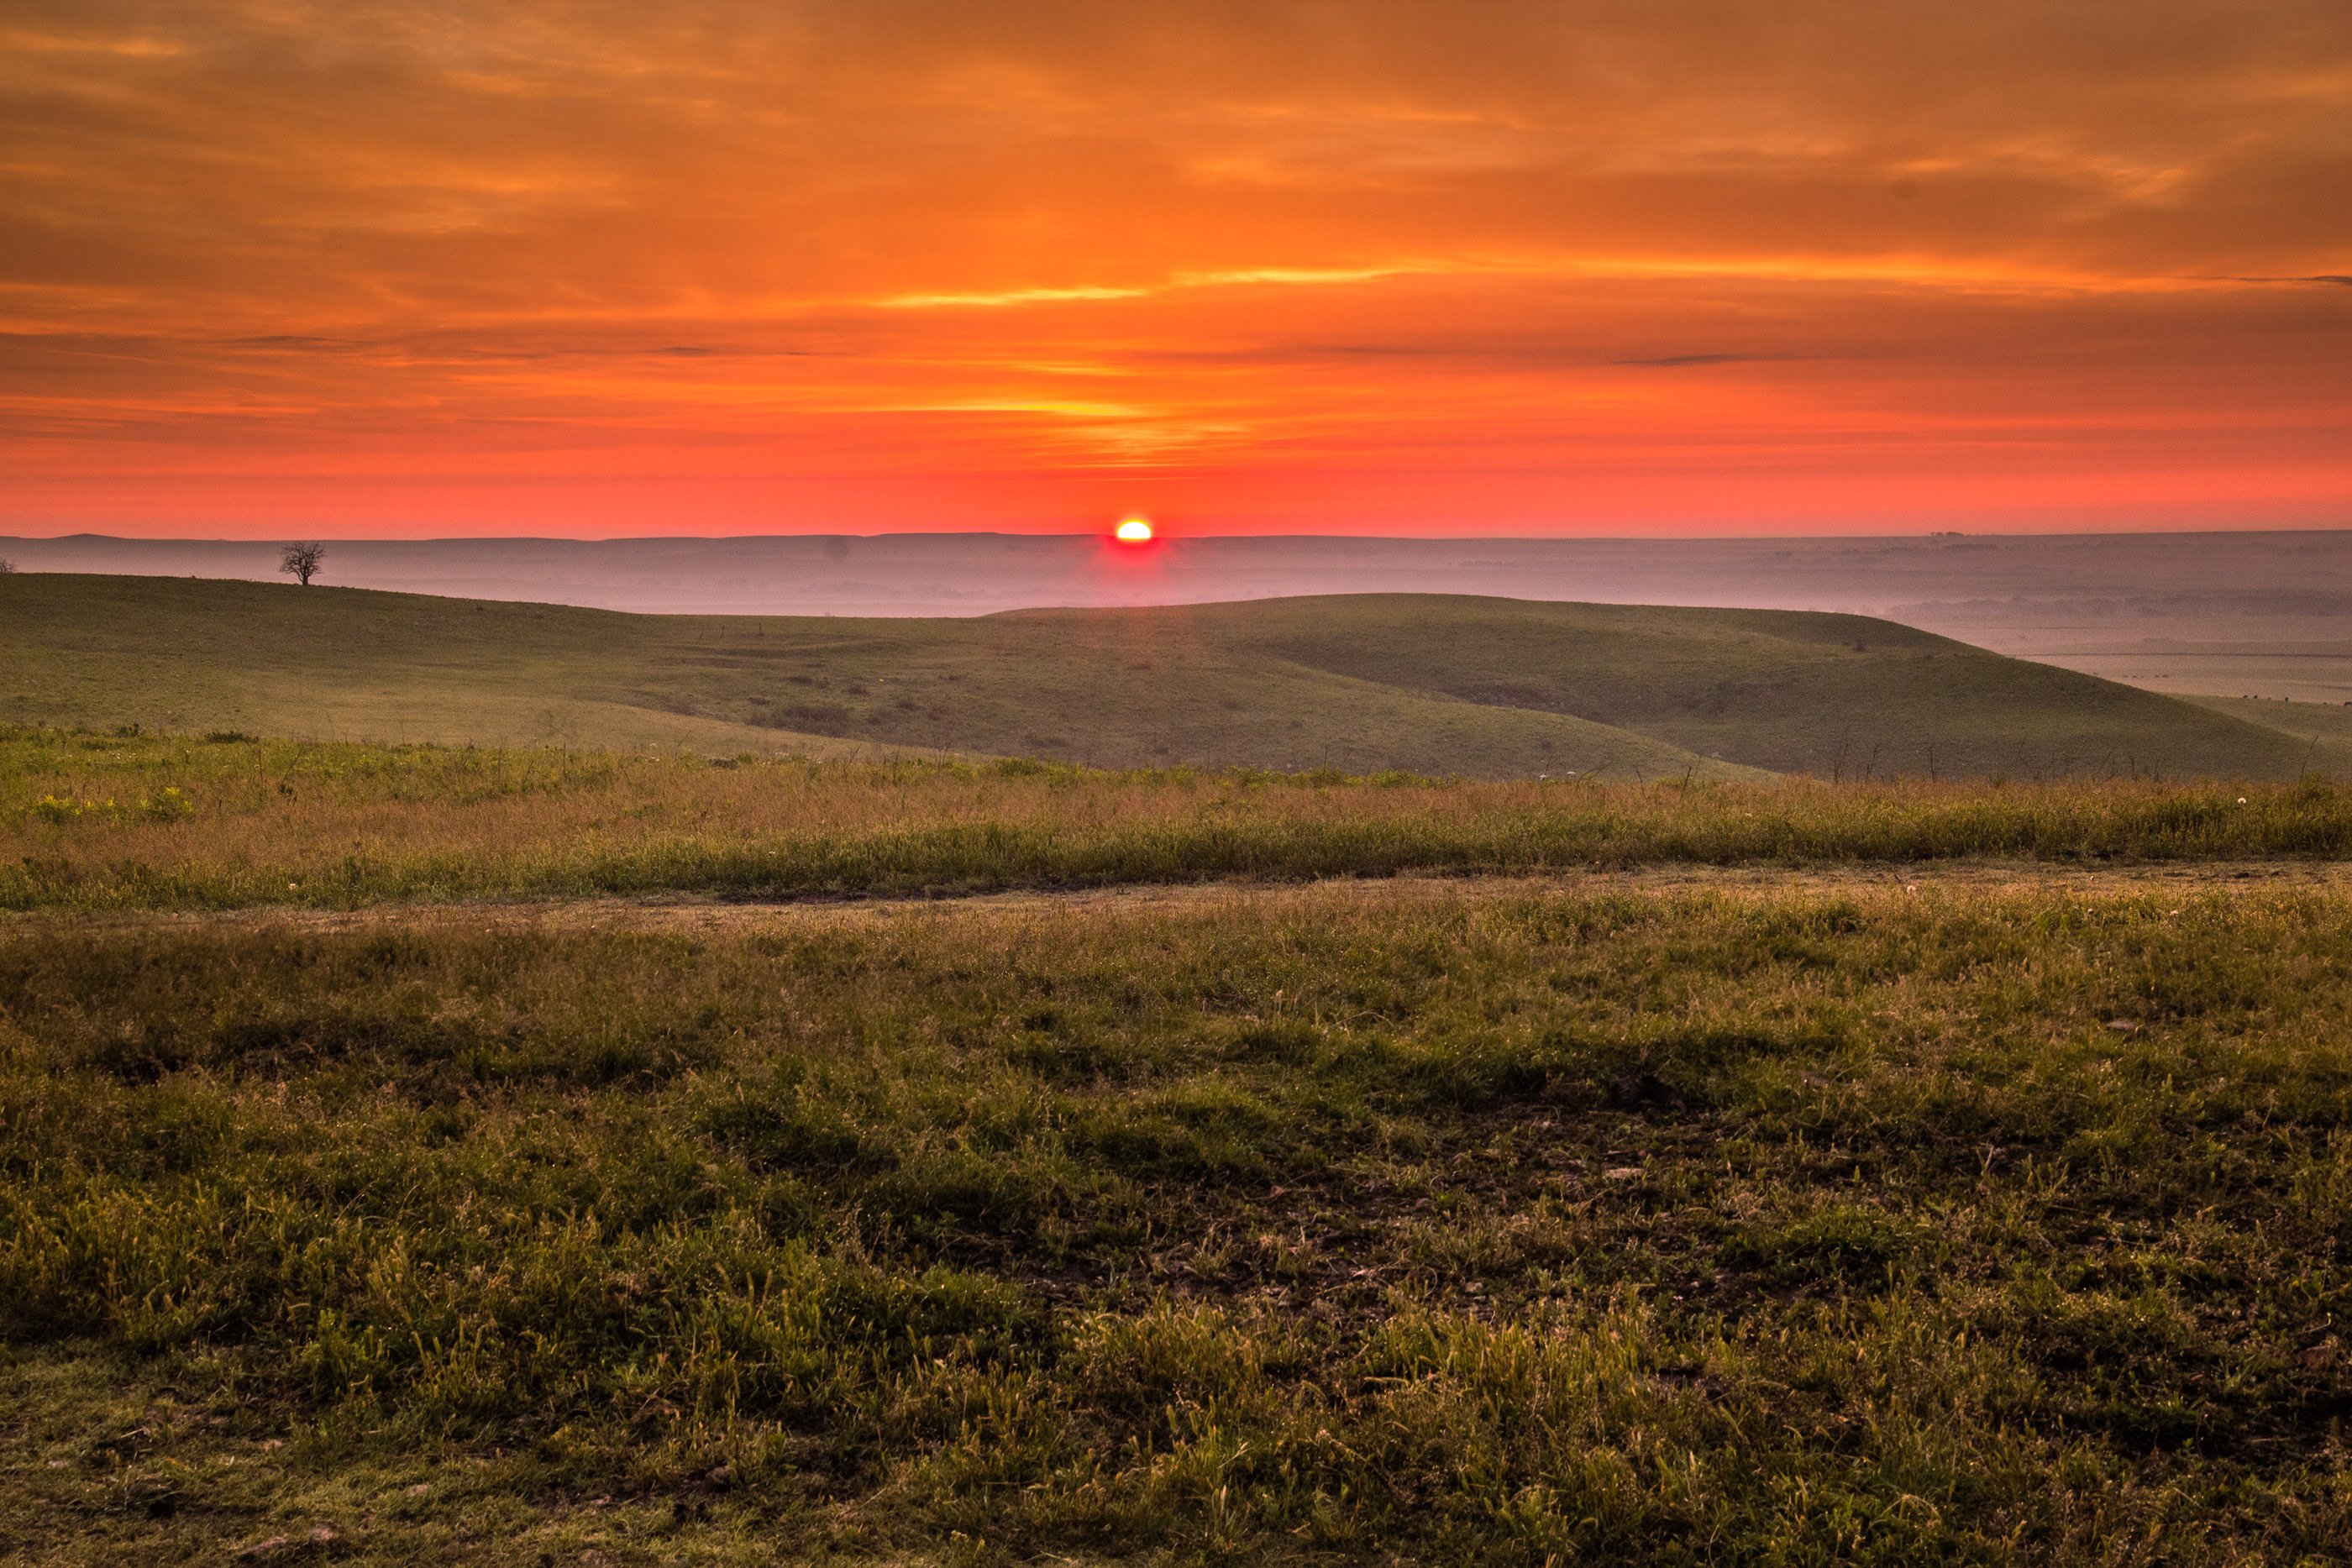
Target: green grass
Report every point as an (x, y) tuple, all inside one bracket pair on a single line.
[(2327, 724), (1455, 1223), (94, 822), (1828, 695), (1436, 685)]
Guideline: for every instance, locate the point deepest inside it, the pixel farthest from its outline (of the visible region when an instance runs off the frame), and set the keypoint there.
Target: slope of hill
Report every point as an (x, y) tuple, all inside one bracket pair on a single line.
[(2328, 726), (1476, 688), (1789, 691)]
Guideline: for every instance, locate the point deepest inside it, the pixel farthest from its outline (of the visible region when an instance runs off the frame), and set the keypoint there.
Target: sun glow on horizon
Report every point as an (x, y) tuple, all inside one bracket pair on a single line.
[(1133, 531)]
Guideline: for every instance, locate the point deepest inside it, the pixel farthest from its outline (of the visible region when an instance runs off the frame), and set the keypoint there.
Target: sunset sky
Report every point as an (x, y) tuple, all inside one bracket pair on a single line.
[(1455, 267)]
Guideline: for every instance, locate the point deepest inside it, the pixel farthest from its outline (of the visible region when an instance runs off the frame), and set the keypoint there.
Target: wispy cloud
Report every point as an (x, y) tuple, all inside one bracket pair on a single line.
[(999, 298), (1678, 361)]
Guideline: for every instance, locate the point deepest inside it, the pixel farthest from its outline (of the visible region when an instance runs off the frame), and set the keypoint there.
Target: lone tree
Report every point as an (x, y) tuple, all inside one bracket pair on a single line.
[(302, 562), (6, 566)]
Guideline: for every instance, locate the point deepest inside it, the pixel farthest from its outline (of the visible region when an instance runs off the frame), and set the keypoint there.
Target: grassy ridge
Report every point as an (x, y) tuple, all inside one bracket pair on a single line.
[(348, 664), (1832, 696), (1433, 685), (1482, 1226), (124, 822)]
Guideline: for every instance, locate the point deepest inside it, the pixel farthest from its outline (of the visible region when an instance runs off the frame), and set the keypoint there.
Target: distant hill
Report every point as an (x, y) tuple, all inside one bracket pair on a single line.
[(1788, 691), (1443, 685)]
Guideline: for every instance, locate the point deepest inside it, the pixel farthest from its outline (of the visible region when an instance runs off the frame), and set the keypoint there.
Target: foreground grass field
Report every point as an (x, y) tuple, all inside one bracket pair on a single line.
[(1966, 1216), (113, 822), (1459, 687), (498, 1155)]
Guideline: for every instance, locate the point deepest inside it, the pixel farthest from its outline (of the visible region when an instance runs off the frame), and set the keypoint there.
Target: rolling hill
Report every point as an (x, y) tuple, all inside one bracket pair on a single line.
[(1428, 683)]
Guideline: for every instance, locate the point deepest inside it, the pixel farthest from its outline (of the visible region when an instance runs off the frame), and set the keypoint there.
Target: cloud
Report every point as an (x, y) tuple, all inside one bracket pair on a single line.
[(1677, 361), (296, 342), (1311, 239)]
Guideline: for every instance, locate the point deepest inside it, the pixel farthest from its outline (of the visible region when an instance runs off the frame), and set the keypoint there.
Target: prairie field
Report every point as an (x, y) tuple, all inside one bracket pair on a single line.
[(1978, 1214), (132, 821), (547, 1157)]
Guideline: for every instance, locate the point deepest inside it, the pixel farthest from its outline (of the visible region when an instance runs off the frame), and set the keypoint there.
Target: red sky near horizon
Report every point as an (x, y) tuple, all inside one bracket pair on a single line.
[(1483, 267)]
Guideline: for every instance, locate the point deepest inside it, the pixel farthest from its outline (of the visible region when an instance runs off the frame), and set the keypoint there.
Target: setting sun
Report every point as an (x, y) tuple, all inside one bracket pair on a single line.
[(1134, 531)]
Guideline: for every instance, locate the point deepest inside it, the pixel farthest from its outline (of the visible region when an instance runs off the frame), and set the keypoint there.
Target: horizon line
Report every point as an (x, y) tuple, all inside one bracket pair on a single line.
[(1178, 536)]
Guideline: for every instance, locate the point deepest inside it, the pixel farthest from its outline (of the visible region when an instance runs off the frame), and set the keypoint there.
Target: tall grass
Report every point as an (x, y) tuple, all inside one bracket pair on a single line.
[(132, 821), (1480, 1226)]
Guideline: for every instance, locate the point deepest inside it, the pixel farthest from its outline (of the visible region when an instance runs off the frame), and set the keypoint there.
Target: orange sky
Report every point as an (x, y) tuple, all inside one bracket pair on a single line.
[(605, 266)]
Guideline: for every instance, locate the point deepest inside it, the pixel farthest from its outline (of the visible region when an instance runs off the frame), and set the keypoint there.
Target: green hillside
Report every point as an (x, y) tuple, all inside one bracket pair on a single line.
[(1473, 687), (1789, 691), (2328, 727)]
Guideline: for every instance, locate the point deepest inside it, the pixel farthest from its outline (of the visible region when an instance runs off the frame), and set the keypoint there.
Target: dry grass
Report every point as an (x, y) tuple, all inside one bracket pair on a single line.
[(133, 821)]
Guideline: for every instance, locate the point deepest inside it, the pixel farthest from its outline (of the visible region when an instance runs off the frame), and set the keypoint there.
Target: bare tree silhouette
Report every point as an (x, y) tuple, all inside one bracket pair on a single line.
[(302, 560)]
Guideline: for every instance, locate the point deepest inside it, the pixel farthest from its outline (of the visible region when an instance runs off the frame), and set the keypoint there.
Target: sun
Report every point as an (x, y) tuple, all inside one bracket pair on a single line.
[(1134, 531)]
